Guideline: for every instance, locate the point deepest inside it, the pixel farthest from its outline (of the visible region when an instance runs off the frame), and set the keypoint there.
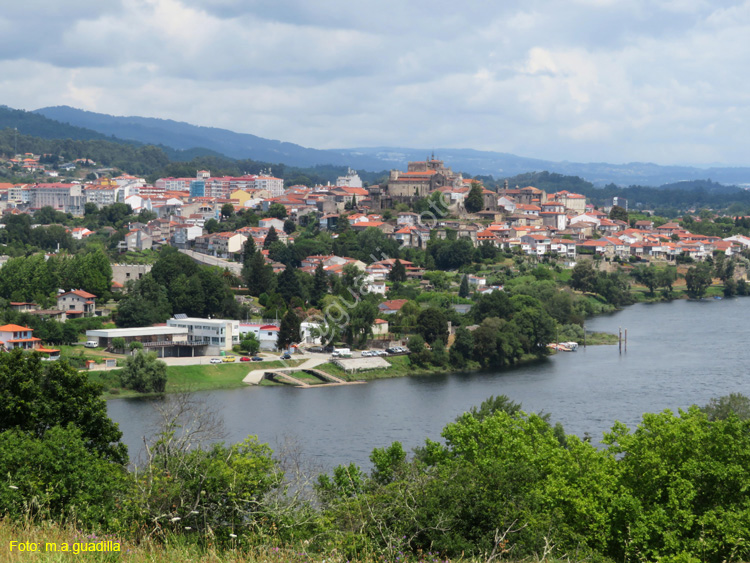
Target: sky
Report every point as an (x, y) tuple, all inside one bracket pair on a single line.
[(663, 81)]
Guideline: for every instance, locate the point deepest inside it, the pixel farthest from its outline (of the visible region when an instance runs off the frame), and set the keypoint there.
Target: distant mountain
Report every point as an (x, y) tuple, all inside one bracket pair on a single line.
[(29, 123), (183, 136)]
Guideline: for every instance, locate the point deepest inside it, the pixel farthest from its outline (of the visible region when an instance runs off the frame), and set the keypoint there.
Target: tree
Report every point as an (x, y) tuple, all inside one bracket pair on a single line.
[(475, 200), (271, 237), (250, 344), (618, 213), (227, 210), (320, 285), (698, 280), (463, 289), (721, 408), (144, 373), (646, 275), (277, 210), (288, 284), (248, 249), (258, 275), (289, 226), (397, 273), (432, 325), (666, 278), (35, 397), (289, 330)]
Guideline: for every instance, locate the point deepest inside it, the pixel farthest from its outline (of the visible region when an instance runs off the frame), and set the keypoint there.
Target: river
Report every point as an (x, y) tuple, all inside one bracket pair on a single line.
[(678, 354)]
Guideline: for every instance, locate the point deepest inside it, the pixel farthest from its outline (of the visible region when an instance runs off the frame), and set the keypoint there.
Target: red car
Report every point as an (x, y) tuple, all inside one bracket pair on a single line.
[(244, 359)]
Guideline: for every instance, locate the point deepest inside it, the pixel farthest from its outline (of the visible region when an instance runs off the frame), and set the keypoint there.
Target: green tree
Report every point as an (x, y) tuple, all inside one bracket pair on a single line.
[(463, 289), (57, 474), (475, 200), (227, 210), (698, 280), (646, 275), (618, 213), (722, 407), (277, 210), (320, 285), (682, 481), (250, 344), (144, 373), (432, 325), (271, 237), (258, 275), (288, 284), (35, 397), (289, 330), (398, 272)]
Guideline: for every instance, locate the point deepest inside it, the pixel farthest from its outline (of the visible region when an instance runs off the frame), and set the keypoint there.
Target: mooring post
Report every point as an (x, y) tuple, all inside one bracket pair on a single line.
[(620, 340), (626, 340)]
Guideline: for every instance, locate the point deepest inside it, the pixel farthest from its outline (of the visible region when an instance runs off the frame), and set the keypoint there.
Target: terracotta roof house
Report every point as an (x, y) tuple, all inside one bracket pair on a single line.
[(392, 307), (77, 303)]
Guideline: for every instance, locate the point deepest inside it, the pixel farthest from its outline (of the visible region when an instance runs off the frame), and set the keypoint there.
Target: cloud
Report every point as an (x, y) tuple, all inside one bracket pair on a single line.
[(584, 80)]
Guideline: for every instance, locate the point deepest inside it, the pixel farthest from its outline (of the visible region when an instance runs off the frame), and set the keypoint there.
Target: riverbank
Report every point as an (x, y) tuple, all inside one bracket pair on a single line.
[(187, 379)]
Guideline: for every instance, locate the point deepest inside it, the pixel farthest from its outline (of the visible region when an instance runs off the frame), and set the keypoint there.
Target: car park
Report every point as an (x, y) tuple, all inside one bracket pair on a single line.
[(215, 360)]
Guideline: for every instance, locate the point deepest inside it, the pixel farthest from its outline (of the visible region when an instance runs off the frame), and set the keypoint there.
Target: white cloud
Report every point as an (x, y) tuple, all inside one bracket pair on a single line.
[(585, 80)]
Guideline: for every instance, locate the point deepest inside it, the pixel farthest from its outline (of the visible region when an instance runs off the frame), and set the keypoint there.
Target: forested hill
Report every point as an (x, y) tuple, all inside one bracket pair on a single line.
[(180, 135), (678, 196), (29, 123)]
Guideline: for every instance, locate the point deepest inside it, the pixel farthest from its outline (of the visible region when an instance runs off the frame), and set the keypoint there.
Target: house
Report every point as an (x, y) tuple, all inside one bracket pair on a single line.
[(77, 303), (266, 334), (392, 307), (380, 327), (15, 336)]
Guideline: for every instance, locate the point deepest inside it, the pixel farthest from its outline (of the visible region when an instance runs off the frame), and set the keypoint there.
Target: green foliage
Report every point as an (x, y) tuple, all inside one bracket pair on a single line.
[(722, 408), (250, 344), (289, 330), (698, 280), (144, 373), (475, 200), (57, 476), (35, 397), (684, 487), (432, 325)]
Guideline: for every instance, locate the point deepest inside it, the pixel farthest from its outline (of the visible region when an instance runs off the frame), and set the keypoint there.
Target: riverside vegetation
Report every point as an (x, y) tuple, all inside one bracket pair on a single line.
[(502, 484)]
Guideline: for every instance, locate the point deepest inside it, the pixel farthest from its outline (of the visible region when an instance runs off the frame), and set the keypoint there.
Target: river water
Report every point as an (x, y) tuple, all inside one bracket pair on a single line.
[(678, 354)]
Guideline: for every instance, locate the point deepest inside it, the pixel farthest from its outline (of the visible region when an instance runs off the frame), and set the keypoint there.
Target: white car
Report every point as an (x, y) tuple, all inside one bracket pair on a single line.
[(215, 360)]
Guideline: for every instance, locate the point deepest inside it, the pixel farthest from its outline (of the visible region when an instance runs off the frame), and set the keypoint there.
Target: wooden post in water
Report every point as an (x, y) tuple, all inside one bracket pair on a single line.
[(584, 334), (626, 340), (620, 340)]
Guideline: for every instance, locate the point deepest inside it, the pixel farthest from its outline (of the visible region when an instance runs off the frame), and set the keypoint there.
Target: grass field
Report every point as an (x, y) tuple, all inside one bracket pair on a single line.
[(181, 379)]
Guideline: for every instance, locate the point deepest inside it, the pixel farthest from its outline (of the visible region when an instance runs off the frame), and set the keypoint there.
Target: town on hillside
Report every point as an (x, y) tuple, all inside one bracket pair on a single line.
[(426, 238)]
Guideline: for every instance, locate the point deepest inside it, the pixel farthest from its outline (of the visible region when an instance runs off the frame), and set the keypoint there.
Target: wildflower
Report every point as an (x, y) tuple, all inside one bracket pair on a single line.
[(176, 518), (12, 487), (232, 535)]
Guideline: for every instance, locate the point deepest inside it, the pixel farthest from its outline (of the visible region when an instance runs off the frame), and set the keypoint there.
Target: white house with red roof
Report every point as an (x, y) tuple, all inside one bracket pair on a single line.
[(77, 303), (16, 336)]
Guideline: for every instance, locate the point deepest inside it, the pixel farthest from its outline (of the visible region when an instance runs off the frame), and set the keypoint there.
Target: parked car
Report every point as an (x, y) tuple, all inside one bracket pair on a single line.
[(256, 359), (286, 356), (227, 359), (244, 359), (215, 360)]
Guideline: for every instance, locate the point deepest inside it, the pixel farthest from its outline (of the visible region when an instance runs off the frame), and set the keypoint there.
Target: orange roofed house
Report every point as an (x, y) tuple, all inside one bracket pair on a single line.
[(15, 336), (77, 303)]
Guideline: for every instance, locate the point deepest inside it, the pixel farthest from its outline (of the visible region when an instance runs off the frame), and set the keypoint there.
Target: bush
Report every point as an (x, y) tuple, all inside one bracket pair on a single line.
[(144, 373)]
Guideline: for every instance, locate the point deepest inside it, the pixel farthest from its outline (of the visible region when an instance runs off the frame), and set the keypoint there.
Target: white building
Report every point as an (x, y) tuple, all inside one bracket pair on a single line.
[(351, 180), (267, 335), (219, 334)]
